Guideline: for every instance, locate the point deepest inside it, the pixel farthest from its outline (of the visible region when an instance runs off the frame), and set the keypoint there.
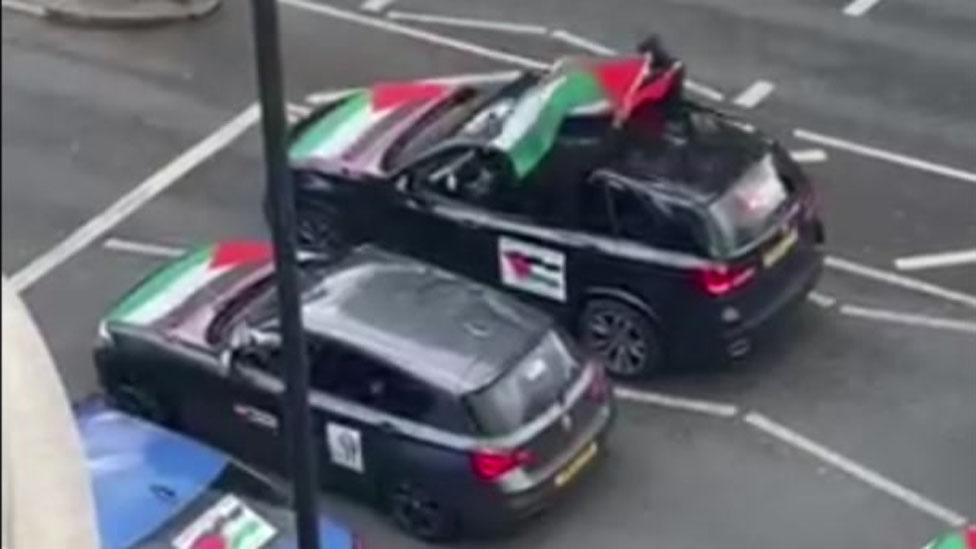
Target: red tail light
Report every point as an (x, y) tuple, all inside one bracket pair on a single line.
[(720, 280), (489, 465), (599, 388)]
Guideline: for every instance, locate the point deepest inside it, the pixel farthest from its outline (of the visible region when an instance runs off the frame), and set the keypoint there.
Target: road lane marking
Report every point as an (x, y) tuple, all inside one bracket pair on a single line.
[(754, 94), (583, 43), (467, 23), (136, 198), (909, 319), (704, 91), (375, 6), (327, 96), (880, 154), (932, 261), (142, 248), (809, 156), (417, 34), (858, 8), (854, 469), (676, 403), (902, 281), (25, 8), (822, 300)]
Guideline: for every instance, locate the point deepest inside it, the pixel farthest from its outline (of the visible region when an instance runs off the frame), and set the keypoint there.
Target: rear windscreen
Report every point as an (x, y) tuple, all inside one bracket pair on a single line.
[(530, 388), (749, 208)]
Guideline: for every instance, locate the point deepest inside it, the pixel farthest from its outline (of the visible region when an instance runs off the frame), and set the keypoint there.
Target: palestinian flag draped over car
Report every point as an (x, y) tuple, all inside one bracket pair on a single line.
[(964, 539), (578, 86)]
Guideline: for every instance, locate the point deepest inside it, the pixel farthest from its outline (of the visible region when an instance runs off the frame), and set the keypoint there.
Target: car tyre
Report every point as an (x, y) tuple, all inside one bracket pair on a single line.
[(415, 510), (624, 336)]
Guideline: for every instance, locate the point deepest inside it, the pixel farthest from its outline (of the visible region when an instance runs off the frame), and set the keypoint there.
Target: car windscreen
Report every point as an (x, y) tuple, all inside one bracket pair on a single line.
[(749, 208), (237, 509), (528, 389)]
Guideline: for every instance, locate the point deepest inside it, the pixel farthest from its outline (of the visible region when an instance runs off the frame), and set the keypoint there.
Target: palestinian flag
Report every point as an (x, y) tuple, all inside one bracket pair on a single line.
[(965, 539), (578, 86), (345, 125), (162, 292)]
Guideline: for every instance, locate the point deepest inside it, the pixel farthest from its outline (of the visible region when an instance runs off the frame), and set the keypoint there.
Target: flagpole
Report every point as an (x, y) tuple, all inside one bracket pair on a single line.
[(301, 459)]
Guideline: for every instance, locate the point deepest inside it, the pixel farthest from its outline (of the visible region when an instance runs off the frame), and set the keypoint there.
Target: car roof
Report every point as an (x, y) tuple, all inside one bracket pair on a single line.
[(435, 326), (127, 457)]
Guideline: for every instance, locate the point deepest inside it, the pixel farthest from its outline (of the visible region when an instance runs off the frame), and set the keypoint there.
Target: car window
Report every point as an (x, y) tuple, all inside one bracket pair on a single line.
[(659, 223)]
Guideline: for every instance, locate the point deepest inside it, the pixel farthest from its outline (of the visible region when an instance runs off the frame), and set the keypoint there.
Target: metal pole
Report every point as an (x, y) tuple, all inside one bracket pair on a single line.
[(282, 199)]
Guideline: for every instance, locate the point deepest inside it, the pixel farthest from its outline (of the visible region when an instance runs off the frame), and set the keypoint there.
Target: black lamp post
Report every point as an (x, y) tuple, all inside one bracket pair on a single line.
[(281, 196)]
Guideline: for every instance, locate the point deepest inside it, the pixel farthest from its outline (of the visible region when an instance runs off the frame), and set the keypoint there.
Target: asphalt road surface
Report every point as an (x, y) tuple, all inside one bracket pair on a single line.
[(853, 425)]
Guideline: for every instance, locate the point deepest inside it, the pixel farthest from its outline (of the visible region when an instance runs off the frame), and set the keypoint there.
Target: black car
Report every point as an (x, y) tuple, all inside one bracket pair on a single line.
[(450, 403), (660, 231)]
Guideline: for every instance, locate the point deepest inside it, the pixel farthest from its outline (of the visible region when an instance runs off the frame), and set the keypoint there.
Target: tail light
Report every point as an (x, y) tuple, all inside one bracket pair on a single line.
[(599, 388), (489, 465), (721, 279)]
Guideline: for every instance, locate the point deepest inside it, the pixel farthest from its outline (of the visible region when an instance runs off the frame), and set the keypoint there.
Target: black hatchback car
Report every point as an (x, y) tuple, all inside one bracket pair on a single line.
[(452, 404), (658, 230)]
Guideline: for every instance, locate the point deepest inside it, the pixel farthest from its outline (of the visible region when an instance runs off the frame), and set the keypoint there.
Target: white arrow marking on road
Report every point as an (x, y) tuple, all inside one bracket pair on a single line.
[(858, 8), (462, 22), (136, 198), (676, 403), (931, 261), (895, 158), (854, 469), (902, 281), (809, 156), (909, 319), (754, 94), (142, 248)]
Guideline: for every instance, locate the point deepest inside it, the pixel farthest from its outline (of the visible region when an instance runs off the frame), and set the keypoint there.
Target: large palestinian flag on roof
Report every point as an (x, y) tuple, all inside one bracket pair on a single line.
[(616, 86), (345, 125), (965, 539)]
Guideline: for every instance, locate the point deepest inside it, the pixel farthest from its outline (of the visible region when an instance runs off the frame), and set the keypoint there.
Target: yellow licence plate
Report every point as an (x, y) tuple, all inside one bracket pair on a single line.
[(575, 466), (777, 252)]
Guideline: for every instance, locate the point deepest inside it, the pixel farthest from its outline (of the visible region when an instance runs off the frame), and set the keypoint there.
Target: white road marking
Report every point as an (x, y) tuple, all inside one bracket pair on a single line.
[(25, 7), (375, 6), (299, 110), (822, 300), (142, 248), (895, 158), (583, 43), (499, 26), (754, 94), (135, 199), (858, 8), (854, 469), (909, 319), (417, 34), (902, 281), (809, 156), (676, 403), (704, 91), (327, 96), (932, 261)]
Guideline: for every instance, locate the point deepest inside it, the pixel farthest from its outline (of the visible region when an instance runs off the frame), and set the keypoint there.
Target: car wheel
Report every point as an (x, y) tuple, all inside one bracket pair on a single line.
[(318, 230), (417, 512), (137, 402), (623, 336)]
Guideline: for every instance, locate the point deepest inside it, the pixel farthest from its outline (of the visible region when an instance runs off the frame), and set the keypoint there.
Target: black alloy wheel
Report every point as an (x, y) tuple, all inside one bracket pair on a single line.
[(417, 512), (623, 336)]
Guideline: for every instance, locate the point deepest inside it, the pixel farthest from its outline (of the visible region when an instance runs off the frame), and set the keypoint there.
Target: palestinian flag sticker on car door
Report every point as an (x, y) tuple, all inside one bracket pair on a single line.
[(532, 268)]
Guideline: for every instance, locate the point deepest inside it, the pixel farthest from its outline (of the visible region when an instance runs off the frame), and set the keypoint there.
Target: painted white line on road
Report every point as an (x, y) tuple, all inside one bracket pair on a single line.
[(909, 319), (299, 110), (463, 22), (676, 403), (583, 43), (754, 94), (901, 281), (895, 158), (704, 91), (417, 34), (858, 8), (327, 96), (142, 248), (809, 156), (932, 261), (822, 300), (854, 469), (375, 6), (135, 199), (25, 8)]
